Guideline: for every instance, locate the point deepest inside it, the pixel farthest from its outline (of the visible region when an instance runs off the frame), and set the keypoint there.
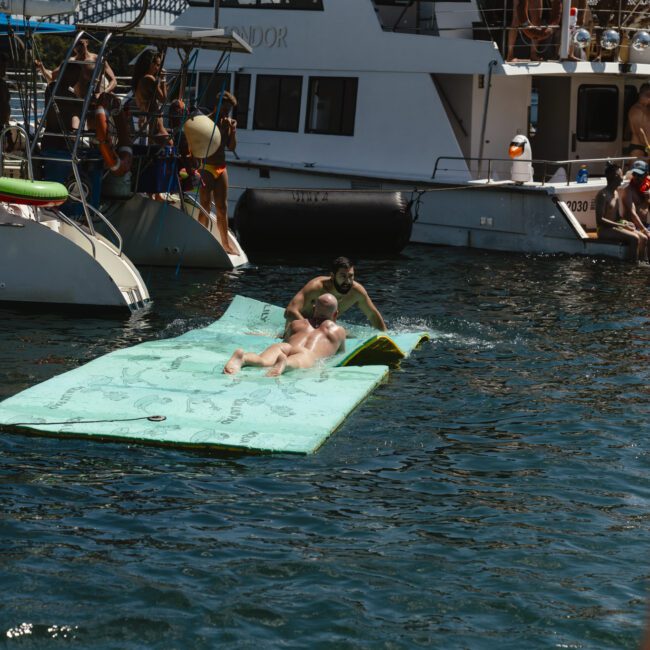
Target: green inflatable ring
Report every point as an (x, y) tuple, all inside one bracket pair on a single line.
[(45, 194)]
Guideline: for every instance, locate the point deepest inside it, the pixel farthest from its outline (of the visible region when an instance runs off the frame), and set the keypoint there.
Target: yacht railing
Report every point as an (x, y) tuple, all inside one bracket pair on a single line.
[(493, 170), (597, 30), (21, 130), (78, 228), (188, 196), (30, 173), (109, 225)]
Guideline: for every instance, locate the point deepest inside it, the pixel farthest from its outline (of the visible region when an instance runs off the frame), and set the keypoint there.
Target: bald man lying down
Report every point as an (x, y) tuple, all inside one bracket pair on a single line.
[(305, 341)]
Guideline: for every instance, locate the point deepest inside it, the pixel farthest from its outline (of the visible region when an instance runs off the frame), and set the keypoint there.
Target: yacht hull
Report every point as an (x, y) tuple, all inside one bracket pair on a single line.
[(500, 216), (157, 233), (51, 262)]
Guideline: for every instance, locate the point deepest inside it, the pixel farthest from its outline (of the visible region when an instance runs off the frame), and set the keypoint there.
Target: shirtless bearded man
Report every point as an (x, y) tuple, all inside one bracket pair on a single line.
[(342, 285), (305, 341)]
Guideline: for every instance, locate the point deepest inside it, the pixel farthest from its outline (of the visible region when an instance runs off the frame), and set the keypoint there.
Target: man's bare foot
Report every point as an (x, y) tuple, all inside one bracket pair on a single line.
[(234, 363), (278, 366)]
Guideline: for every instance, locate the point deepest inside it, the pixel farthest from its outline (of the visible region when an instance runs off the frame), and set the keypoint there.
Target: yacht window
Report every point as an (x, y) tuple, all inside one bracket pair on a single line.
[(242, 93), (261, 4), (597, 113), (209, 87), (332, 103), (277, 102), (408, 16)]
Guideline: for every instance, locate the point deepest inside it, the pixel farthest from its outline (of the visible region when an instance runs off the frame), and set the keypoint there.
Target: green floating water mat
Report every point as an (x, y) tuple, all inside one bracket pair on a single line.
[(173, 391)]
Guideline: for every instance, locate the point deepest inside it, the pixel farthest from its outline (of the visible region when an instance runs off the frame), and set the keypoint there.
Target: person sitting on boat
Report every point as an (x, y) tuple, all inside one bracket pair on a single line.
[(150, 94), (639, 124), (610, 226), (214, 175), (340, 283), (633, 200), (306, 341)]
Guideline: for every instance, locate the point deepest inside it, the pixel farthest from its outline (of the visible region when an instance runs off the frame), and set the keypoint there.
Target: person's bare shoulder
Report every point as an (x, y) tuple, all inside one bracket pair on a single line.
[(316, 284), (334, 330), (635, 110), (359, 291)]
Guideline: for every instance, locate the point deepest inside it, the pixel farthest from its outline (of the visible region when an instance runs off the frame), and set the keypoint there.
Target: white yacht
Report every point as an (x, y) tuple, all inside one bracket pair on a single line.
[(417, 95)]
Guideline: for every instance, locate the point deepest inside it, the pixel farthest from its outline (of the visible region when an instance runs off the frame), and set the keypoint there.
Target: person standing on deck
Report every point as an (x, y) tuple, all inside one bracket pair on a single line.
[(639, 122), (610, 226), (342, 285), (214, 174), (150, 95)]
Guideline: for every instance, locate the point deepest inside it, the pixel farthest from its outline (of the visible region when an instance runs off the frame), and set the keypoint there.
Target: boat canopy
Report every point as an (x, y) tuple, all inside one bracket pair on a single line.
[(174, 36), (21, 25)]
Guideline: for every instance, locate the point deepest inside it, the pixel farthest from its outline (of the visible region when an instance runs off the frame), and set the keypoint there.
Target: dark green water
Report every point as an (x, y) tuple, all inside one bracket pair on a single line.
[(494, 493)]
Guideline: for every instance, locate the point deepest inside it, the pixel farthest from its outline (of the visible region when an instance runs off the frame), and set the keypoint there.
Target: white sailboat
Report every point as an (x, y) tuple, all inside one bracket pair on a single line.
[(419, 96), (46, 257), (166, 230)]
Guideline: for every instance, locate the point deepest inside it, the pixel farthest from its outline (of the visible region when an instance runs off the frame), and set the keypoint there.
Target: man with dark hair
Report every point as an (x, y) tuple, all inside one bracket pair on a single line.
[(610, 226), (342, 285), (305, 341)]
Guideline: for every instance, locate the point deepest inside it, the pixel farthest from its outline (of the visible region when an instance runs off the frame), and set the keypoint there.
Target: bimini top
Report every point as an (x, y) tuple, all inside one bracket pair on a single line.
[(20, 25), (174, 36)]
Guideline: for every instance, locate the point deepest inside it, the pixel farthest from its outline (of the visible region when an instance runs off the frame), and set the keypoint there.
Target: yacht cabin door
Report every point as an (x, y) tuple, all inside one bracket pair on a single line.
[(596, 120)]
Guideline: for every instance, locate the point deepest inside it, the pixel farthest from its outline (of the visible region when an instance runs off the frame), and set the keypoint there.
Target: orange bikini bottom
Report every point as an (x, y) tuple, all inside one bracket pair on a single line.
[(214, 170)]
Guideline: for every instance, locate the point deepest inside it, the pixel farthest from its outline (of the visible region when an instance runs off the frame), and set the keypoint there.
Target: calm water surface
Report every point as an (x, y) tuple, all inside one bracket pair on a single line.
[(494, 493)]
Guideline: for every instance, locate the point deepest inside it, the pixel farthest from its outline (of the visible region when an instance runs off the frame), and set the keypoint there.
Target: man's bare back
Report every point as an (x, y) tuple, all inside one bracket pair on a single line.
[(322, 340)]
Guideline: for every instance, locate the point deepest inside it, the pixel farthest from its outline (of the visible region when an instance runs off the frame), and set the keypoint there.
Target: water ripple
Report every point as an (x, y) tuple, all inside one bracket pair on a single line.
[(494, 492)]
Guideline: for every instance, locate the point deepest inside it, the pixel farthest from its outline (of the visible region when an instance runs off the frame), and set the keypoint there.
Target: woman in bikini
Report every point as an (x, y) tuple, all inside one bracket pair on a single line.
[(214, 174), (150, 94)]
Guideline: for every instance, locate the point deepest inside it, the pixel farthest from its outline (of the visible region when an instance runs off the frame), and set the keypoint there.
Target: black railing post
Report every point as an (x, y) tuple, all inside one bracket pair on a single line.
[(216, 13)]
